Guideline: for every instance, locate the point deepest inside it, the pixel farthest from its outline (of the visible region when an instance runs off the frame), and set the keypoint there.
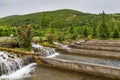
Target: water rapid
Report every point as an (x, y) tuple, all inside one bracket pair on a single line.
[(21, 73), (9, 63), (46, 51)]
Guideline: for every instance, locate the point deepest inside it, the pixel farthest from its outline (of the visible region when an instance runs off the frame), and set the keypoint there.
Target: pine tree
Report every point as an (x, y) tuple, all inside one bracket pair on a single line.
[(94, 31), (115, 33), (85, 32), (45, 21), (104, 31)]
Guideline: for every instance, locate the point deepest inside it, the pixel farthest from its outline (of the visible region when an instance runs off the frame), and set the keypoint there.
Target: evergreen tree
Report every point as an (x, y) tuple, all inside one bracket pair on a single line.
[(45, 21), (104, 31), (85, 32), (94, 31), (115, 33)]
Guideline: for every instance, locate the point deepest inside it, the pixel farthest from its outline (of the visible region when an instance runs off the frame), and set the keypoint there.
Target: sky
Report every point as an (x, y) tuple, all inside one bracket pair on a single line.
[(20, 7)]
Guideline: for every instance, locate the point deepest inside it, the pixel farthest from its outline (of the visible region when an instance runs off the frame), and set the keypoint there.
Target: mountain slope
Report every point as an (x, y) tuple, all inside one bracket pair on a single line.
[(44, 19), (35, 18)]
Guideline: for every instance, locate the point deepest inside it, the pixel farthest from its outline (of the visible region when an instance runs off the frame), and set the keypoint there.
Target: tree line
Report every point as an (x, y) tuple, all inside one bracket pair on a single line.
[(102, 26)]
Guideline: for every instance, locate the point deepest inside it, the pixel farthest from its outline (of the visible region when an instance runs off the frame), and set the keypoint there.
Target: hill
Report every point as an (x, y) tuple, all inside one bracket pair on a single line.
[(71, 16)]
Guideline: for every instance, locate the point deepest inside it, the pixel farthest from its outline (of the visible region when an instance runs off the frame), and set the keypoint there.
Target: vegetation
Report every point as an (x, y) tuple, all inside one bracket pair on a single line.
[(24, 34), (6, 31), (64, 25), (115, 33), (104, 30), (85, 32)]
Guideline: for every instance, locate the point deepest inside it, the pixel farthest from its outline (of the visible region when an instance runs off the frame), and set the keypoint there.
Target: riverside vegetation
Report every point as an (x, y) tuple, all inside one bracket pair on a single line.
[(64, 25)]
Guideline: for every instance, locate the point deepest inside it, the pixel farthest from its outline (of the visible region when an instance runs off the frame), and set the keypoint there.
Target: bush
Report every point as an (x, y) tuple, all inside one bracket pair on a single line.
[(25, 36), (115, 33), (85, 32)]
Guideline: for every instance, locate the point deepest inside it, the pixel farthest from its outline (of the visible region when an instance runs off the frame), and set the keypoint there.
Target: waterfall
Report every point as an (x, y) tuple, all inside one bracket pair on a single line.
[(9, 63), (48, 52), (51, 53), (21, 73), (44, 51)]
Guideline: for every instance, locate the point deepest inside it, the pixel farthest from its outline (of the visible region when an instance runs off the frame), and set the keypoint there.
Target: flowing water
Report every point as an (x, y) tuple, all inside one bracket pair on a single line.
[(9, 63), (46, 73), (33, 71), (20, 74), (36, 72), (101, 61)]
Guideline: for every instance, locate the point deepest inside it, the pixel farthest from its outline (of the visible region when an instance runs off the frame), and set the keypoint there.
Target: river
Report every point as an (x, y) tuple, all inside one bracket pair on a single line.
[(36, 72), (47, 73)]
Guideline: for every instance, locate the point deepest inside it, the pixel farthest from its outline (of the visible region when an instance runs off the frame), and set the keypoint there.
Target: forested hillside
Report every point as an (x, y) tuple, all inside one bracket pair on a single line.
[(69, 24), (70, 17)]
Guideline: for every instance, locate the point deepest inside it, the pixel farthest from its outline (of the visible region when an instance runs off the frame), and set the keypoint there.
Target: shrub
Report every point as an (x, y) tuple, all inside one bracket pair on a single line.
[(115, 33), (25, 36)]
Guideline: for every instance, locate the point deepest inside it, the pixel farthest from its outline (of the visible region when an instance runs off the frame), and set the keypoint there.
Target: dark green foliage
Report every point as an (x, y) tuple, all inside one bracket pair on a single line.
[(94, 29), (104, 30), (115, 33), (85, 32), (94, 32), (45, 21)]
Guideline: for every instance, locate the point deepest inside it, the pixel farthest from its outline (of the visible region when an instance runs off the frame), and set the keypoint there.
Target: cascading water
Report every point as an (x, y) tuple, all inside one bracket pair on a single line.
[(46, 51), (13, 68), (51, 53), (21, 73), (9, 63)]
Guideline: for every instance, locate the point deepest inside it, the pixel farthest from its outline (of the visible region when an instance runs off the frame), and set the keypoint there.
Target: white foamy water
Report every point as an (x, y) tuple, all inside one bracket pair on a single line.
[(37, 46), (48, 52), (9, 63), (21, 73)]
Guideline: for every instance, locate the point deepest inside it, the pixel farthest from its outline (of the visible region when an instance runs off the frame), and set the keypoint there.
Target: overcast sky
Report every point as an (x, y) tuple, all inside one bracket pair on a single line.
[(19, 7)]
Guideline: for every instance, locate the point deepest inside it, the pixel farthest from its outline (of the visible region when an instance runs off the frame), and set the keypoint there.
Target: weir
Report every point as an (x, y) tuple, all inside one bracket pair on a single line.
[(93, 69), (12, 60), (99, 48), (100, 65), (46, 56), (92, 53), (92, 60)]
